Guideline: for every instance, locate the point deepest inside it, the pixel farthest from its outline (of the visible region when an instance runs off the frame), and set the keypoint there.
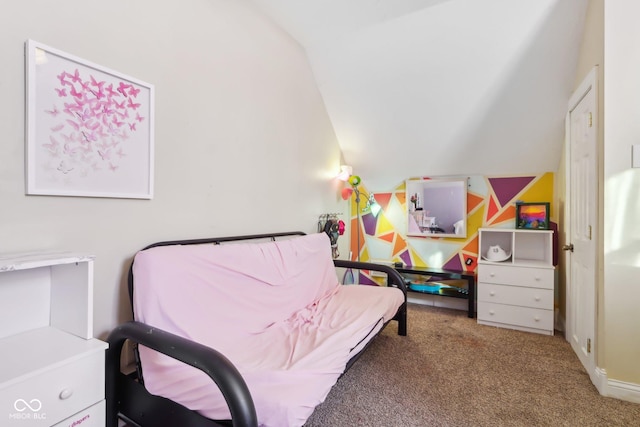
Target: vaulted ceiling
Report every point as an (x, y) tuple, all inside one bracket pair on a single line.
[(441, 87)]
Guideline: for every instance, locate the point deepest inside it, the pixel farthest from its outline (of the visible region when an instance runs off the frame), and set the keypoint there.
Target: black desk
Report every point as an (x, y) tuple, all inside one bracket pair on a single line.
[(470, 277)]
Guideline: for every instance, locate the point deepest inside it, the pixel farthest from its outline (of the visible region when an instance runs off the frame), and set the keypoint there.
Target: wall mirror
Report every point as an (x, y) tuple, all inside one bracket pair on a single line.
[(437, 207)]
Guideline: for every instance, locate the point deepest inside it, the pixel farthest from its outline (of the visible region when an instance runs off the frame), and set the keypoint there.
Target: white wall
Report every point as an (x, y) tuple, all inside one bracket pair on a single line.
[(621, 191), (243, 143)]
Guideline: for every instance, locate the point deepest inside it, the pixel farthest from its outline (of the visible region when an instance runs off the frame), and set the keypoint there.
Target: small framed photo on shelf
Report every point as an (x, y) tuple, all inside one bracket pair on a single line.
[(533, 216)]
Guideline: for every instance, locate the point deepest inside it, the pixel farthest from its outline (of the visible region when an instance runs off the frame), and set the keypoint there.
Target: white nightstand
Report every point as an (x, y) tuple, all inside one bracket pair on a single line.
[(52, 370), (517, 293)]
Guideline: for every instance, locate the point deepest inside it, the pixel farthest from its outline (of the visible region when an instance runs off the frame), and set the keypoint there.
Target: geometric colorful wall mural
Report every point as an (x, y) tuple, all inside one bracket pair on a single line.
[(490, 203)]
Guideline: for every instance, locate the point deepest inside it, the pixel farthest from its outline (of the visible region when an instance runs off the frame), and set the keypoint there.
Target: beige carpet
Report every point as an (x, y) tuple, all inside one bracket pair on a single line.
[(450, 371)]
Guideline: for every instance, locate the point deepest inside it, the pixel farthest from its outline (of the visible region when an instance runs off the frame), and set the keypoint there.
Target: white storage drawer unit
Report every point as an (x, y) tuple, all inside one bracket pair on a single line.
[(517, 293), (52, 368), (523, 276), (89, 417)]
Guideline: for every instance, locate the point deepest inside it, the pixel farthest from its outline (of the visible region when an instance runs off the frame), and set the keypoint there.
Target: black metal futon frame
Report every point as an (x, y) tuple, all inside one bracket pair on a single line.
[(126, 396)]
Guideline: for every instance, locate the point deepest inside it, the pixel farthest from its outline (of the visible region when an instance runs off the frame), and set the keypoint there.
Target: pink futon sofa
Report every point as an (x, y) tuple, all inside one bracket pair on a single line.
[(245, 333)]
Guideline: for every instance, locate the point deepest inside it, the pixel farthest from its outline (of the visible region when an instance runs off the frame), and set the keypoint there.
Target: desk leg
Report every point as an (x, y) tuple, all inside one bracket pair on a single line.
[(472, 296)]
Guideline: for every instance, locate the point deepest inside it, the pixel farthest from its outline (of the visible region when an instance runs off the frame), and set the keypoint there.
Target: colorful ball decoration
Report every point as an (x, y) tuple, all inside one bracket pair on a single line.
[(346, 193), (354, 180)]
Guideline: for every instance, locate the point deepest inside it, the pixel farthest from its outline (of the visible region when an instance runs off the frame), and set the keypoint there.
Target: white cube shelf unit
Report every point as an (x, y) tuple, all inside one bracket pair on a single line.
[(52, 371), (517, 293)]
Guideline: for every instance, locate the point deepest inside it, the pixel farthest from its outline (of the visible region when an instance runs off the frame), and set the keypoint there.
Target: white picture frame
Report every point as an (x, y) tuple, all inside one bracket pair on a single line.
[(89, 130)]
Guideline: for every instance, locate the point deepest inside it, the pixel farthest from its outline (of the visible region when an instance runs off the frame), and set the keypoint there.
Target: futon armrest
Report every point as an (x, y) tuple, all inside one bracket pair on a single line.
[(394, 279), (208, 360)]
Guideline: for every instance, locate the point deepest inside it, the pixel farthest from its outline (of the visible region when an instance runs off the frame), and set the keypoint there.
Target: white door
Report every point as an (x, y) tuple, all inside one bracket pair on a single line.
[(582, 198)]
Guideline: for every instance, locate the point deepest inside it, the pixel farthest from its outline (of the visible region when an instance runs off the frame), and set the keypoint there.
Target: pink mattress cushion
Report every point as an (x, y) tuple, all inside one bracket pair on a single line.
[(275, 309)]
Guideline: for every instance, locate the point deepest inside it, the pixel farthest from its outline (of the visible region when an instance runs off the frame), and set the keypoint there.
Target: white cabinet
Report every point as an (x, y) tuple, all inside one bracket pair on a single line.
[(52, 370), (517, 292)]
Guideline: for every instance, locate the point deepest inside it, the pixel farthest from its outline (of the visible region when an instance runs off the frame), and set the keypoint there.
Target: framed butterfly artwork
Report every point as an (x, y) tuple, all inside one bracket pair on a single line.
[(89, 130)]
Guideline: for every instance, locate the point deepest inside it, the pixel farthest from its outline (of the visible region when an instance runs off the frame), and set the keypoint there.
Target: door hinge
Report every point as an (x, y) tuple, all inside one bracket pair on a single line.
[(590, 119), (588, 345)]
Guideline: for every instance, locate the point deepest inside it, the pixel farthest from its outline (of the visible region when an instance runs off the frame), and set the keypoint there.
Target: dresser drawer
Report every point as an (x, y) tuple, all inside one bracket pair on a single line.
[(515, 315), (516, 295), (94, 416), (52, 395), (516, 275)]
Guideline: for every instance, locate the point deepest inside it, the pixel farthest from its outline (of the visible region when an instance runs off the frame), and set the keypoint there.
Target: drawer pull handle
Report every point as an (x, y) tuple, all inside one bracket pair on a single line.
[(491, 312), (537, 279), (537, 298), (537, 319), (66, 393), (492, 293), (492, 274)]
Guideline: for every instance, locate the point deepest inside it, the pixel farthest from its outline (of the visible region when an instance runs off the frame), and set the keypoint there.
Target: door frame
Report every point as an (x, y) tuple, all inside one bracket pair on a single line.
[(590, 83)]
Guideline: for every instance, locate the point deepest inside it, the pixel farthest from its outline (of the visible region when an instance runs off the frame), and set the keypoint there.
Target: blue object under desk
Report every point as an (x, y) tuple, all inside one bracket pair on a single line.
[(434, 284)]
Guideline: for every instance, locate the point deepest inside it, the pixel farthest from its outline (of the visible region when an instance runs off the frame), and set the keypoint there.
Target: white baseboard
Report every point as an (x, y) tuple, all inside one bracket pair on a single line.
[(628, 392)]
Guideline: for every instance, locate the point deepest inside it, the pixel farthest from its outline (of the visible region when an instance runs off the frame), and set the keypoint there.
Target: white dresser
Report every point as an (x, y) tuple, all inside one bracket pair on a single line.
[(52, 370), (517, 293)]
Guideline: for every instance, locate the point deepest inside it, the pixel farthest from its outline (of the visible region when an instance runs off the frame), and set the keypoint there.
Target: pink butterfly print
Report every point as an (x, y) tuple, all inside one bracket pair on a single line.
[(75, 93), (117, 122), (89, 136), (110, 91), (103, 145), (86, 149), (61, 92), (61, 77), (64, 168), (54, 112), (139, 117), (106, 110), (91, 125), (52, 146), (67, 138), (120, 153), (85, 139), (84, 115), (75, 125), (69, 150), (85, 85), (57, 128), (99, 94), (132, 126), (105, 154), (96, 83), (75, 77), (122, 88), (81, 102), (112, 130), (120, 105), (134, 92), (96, 108), (112, 167), (69, 108), (95, 166), (131, 104)]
